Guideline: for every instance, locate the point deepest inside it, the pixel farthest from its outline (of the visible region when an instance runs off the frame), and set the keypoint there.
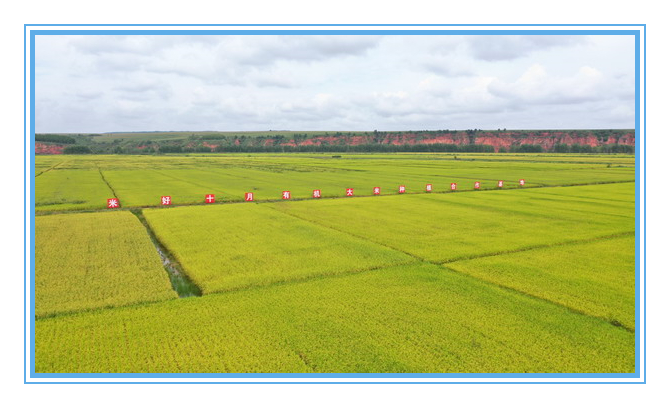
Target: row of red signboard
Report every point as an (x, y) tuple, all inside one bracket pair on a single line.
[(286, 195)]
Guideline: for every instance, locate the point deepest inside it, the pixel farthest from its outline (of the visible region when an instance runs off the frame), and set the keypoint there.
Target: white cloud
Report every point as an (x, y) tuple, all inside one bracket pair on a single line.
[(104, 83), (510, 47), (539, 87)]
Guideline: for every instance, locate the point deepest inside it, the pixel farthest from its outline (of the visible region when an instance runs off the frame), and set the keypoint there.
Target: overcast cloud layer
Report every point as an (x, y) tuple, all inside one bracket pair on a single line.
[(90, 84)]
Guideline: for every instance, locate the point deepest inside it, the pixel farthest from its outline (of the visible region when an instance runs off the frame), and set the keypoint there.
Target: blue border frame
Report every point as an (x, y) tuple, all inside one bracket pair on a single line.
[(635, 32)]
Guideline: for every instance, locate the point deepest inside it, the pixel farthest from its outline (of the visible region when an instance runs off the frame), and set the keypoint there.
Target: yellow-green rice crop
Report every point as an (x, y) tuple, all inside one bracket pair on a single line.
[(596, 278), (94, 260), (142, 180), (511, 280), (447, 227), (70, 190), (417, 318), (240, 245)]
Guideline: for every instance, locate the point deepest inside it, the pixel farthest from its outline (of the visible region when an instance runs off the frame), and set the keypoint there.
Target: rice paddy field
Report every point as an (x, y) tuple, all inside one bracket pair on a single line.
[(532, 278), (95, 260)]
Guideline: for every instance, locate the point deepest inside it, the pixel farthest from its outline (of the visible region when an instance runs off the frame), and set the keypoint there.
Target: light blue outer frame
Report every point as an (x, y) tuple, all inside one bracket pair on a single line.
[(430, 29)]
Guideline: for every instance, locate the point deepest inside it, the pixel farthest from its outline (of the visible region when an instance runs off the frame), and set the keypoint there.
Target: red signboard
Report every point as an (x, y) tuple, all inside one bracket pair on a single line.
[(350, 192), (248, 196), (522, 182), (316, 193), (209, 198), (166, 200), (500, 183), (429, 188), (113, 203), (477, 185), (286, 195), (453, 186), (401, 189), (376, 191)]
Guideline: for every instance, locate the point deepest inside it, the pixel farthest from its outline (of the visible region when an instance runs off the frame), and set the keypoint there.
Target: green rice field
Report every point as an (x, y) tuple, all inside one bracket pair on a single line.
[(230, 247), (85, 182), (95, 260), (538, 278)]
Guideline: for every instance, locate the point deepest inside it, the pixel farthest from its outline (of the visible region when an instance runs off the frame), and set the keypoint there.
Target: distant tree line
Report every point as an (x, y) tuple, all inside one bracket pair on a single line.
[(362, 148), (173, 147), (579, 148), (77, 149), (62, 139), (342, 142)]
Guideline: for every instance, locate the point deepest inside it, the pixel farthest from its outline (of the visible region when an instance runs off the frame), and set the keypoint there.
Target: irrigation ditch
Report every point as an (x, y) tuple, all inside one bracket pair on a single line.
[(180, 281)]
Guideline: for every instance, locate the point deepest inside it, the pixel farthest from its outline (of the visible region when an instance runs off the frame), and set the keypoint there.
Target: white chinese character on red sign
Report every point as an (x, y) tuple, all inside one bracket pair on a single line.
[(522, 182), (112, 203), (209, 198), (453, 186), (429, 187), (286, 195), (401, 189), (248, 196), (376, 191), (166, 200), (477, 185), (500, 183), (350, 192), (316, 193)]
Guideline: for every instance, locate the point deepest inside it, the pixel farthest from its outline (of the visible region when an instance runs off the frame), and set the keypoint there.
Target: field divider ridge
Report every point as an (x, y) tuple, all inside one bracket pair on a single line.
[(102, 176), (181, 283), (533, 247), (173, 177), (530, 295), (286, 282), (481, 159), (441, 264), (49, 169), (353, 235), (270, 201), (305, 279), (99, 308)]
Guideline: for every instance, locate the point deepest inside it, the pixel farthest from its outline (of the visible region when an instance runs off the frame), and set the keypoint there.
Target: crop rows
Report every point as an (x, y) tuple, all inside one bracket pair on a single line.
[(510, 280), (59, 189), (228, 247), (87, 261), (595, 278), (412, 318), (141, 180), (441, 228)]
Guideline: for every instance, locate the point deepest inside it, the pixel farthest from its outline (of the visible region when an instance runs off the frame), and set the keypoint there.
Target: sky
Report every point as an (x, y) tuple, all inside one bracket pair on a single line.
[(104, 83)]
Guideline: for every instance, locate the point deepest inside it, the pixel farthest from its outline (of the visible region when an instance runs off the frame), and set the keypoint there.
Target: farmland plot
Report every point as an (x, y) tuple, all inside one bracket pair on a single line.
[(609, 195), (443, 171), (142, 180), (88, 261), (411, 318), (447, 227), (146, 187), (614, 159), (596, 278), (46, 163), (592, 206), (189, 185), (498, 281), (70, 190), (240, 245)]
